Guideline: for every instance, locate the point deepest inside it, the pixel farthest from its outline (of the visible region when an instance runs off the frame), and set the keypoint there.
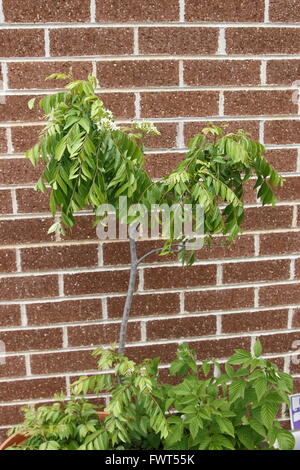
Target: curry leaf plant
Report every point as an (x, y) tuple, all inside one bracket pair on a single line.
[(89, 161)]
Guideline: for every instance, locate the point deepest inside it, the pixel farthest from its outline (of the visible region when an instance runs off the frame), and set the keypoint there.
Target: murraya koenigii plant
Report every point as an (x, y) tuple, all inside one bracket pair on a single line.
[(234, 408), (89, 161)]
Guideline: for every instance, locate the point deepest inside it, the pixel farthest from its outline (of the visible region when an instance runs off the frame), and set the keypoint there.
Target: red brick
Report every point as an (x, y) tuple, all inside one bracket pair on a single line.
[(249, 192), (181, 327), (166, 352), (290, 190), (284, 11), (25, 231), (14, 366), (71, 361), (296, 319), (137, 10), (180, 103), (31, 389), (178, 277), (145, 305), (284, 160), (193, 128), (97, 282), (7, 261), (91, 41), (279, 243), (295, 364), (219, 348), (262, 40), (178, 41), (298, 268), (241, 247), (221, 72), (24, 137), (259, 102), (59, 257), (221, 299), (32, 74), (3, 435), (283, 294), (98, 335), (254, 321), (118, 253), (283, 72), (16, 109), (279, 362), (83, 229), (31, 201), (9, 315), (230, 11), (70, 311), (11, 415), (31, 340), (167, 139), (23, 11), (268, 218), (5, 202), (18, 170), (160, 165), (22, 43), (296, 385), (257, 271), (3, 143), (140, 73), (279, 343), (28, 287), (120, 104), (282, 132)]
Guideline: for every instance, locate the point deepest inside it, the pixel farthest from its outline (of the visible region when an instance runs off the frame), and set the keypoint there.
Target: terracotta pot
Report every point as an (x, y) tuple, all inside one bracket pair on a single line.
[(18, 439)]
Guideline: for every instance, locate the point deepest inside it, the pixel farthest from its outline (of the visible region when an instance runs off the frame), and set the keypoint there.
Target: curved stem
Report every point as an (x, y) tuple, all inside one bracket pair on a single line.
[(131, 287), (157, 250), (128, 302)]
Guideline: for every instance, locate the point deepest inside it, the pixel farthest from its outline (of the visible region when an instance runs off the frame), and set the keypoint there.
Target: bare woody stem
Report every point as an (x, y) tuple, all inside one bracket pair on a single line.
[(131, 287), (128, 302)]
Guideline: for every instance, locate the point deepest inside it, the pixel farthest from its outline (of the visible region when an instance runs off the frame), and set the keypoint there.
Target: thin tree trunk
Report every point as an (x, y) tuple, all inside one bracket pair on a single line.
[(131, 287), (130, 292)]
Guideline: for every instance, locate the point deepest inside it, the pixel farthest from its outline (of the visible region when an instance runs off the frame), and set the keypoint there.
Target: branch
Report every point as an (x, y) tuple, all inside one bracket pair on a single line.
[(157, 250)]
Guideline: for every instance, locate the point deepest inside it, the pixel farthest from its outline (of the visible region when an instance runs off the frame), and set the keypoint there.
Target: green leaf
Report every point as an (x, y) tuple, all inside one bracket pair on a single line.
[(225, 425), (240, 357), (268, 414), (206, 366), (260, 386), (237, 389), (257, 426), (286, 440), (85, 124), (52, 205), (54, 227), (31, 103), (245, 435)]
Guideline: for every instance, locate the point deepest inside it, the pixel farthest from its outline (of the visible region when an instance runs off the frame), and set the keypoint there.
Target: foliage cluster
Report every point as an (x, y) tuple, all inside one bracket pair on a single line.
[(230, 406)]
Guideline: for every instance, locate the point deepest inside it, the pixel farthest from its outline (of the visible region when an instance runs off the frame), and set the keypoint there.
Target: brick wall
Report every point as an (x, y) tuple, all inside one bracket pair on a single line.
[(179, 63)]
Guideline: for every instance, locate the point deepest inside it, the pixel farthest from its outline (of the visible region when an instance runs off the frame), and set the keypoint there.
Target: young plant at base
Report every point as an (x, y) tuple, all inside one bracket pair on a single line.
[(89, 161), (235, 410)]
